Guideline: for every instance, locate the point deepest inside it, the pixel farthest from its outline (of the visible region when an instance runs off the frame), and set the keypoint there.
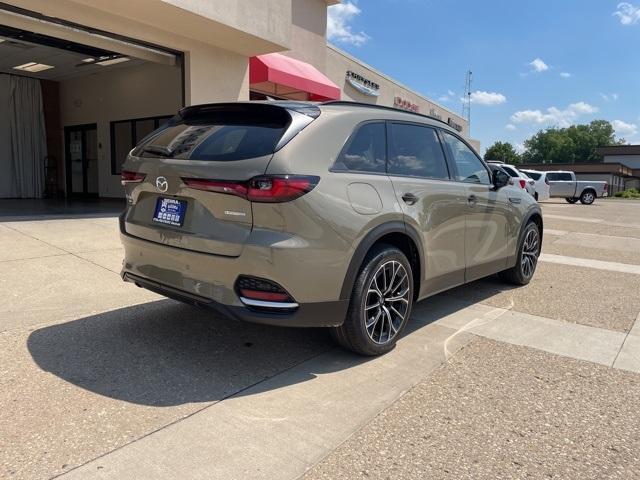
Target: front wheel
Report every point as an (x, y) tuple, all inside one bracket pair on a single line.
[(380, 304), (587, 197), (571, 200), (527, 258)]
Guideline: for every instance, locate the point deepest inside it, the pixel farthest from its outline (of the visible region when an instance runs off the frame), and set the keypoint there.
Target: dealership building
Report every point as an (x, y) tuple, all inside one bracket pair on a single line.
[(81, 81)]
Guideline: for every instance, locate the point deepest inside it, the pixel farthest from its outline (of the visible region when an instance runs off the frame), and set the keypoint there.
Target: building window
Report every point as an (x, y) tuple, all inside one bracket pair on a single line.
[(125, 134)]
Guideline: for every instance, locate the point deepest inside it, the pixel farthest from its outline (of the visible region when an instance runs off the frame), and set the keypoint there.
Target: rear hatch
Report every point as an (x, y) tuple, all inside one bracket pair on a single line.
[(185, 181)]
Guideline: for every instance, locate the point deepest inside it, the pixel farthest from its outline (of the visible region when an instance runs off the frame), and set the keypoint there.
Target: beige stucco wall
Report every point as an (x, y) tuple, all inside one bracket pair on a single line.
[(339, 62), (308, 32), (146, 90)]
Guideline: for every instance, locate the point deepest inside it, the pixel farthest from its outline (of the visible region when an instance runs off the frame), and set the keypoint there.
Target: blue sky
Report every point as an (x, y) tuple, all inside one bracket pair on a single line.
[(535, 63)]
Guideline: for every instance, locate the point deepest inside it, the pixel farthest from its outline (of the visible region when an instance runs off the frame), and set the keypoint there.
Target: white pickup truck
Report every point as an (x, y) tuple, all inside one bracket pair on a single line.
[(563, 184)]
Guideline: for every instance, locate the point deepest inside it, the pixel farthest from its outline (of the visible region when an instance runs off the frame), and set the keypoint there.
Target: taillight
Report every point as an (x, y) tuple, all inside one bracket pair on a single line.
[(523, 183), (131, 177), (263, 189), (606, 187)]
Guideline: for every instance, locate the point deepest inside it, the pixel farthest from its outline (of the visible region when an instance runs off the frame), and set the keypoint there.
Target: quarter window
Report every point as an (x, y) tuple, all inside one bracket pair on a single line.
[(470, 167), (416, 151), (366, 150)]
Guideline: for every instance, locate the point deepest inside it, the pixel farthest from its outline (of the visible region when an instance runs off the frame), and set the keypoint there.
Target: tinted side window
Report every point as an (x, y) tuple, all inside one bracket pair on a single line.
[(416, 151), (552, 177), (470, 167), (564, 177), (534, 175), (366, 150)]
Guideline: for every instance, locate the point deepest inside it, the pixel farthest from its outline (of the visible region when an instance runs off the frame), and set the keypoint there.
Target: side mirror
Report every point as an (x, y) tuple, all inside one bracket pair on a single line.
[(500, 179)]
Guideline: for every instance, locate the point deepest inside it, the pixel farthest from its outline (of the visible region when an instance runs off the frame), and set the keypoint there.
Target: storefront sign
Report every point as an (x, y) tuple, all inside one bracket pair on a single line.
[(453, 124), (363, 85), (404, 104), (434, 113)]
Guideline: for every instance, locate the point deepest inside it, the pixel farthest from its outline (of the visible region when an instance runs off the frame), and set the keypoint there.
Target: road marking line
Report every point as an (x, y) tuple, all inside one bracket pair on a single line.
[(588, 263), (576, 219)]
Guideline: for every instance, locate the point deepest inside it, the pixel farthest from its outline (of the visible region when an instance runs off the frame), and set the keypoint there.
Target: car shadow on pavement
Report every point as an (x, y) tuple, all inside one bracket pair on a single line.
[(166, 353)]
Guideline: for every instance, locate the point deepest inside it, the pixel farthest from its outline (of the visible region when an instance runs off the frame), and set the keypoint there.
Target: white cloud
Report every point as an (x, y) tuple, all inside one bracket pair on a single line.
[(565, 74), (627, 13), (510, 126), (487, 98), (338, 28), (624, 129), (448, 96), (519, 147), (538, 65), (609, 97), (553, 115)]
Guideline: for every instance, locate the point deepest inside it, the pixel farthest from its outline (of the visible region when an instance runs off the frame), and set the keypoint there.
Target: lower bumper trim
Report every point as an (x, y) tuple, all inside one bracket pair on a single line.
[(317, 314)]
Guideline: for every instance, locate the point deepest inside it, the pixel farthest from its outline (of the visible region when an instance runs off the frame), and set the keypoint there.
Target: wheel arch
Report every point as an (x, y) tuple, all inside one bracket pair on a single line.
[(396, 233)]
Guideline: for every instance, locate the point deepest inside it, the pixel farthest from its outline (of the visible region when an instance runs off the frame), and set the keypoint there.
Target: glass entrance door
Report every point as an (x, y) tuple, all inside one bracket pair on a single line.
[(81, 148)]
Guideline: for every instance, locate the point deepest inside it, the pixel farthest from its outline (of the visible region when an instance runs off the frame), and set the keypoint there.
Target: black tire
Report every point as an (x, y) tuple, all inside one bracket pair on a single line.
[(535, 195), (521, 274), (354, 334), (571, 200), (588, 197)]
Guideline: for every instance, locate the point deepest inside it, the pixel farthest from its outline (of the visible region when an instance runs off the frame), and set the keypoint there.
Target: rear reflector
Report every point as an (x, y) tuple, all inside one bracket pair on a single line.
[(131, 177), (266, 296), (262, 189)]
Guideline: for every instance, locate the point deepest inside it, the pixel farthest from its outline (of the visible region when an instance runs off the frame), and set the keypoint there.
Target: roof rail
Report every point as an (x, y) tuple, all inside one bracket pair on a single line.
[(384, 107)]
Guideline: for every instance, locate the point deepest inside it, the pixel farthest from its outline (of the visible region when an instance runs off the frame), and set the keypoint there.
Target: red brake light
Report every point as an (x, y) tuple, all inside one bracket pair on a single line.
[(220, 186), (523, 183), (606, 187), (131, 177), (263, 189)]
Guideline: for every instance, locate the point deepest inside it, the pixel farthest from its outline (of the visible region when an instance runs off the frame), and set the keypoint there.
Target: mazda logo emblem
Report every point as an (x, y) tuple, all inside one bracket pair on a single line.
[(162, 184)]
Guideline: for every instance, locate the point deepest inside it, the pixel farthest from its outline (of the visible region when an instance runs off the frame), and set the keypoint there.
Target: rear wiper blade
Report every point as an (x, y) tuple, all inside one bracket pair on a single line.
[(158, 150)]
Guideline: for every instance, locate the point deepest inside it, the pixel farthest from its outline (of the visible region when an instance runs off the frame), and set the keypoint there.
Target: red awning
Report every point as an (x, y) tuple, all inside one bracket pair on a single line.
[(284, 76)]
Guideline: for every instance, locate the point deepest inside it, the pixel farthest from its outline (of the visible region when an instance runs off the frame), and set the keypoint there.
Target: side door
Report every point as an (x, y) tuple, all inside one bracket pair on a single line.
[(490, 218), (561, 184), (432, 202)]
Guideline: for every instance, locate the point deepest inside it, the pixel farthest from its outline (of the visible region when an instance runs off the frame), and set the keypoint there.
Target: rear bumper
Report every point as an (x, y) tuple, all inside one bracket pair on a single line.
[(321, 314)]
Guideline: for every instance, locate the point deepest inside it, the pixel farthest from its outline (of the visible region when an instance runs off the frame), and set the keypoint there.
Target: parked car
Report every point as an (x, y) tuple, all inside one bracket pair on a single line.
[(541, 183), (337, 215), (519, 178), (563, 184)]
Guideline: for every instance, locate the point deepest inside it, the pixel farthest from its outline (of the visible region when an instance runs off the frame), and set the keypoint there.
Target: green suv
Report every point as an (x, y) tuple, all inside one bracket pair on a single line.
[(338, 215)]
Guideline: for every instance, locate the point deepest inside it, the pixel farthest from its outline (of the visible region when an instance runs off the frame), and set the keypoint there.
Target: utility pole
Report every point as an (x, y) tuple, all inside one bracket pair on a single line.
[(466, 99)]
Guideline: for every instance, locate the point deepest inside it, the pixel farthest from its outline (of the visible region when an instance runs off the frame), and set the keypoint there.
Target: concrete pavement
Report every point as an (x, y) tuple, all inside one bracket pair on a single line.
[(101, 379)]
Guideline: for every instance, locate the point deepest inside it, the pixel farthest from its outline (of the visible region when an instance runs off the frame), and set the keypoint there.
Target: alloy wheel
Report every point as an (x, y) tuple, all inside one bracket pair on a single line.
[(530, 253), (588, 198), (387, 302)]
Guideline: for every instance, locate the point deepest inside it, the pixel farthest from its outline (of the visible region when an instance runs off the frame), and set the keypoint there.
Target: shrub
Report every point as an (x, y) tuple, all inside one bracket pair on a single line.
[(629, 193)]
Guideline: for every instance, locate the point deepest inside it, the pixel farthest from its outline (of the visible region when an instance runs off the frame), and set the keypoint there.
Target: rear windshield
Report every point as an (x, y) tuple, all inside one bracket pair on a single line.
[(218, 134), (534, 175)]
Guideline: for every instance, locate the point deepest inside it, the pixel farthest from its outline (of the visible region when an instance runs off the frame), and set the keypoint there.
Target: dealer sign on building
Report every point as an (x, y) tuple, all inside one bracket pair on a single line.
[(362, 84)]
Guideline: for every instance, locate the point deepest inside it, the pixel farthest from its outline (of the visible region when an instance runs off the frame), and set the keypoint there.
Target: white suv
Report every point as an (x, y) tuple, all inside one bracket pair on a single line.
[(519, 178), (541, 185)]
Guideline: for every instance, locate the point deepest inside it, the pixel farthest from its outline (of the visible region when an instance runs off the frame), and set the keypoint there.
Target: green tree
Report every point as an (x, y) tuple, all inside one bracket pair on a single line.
[(574, 144), (502, 151)]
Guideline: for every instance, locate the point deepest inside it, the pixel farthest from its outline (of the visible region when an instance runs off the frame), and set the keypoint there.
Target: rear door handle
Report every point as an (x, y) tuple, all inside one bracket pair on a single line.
[(409, 198), (471, 200)]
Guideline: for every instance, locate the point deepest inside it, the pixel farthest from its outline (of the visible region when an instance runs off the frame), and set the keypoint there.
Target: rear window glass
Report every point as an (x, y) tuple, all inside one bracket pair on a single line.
[(218, 134), (534, 175), (510, 171), (366, 150)]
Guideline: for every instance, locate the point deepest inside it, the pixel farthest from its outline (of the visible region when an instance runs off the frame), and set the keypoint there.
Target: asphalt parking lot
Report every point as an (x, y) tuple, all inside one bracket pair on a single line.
[(100, 379)]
